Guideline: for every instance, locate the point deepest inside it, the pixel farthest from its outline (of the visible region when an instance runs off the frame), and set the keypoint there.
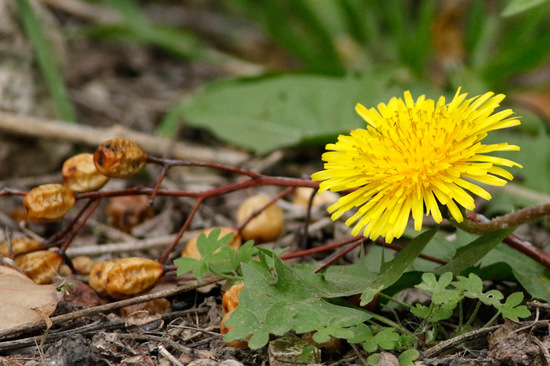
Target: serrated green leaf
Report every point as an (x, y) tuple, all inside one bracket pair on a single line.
[(246, 252), (186, 265), (287, 301), (472, 286), (361, 333), (392, 271), (492, 298), (217, 257), (208, 244), (511, 308), (387, 338), (438, 288)]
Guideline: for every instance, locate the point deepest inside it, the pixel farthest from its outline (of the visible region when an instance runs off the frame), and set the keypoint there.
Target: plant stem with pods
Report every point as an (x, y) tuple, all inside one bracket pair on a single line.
[(475, 223)]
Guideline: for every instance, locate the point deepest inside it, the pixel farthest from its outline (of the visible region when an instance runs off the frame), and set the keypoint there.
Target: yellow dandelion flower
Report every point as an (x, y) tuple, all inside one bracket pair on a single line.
[(413, 157)]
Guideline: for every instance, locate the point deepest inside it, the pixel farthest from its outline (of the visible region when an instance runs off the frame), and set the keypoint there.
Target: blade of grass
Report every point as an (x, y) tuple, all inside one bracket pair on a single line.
[(46, 61), (318, 30), (173, 40)]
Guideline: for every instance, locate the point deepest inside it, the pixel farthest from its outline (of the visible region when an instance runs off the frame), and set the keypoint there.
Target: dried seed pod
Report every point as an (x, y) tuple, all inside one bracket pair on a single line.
[(119, 158), (40, 266), (83, 264), (80, 174), (98, 277), (18, 245), (303, 194), (157, 306), (230, 299), (64, 270), (224, 329), (267, 226), (48, 202), (126, 212), (192, 251), (131, 276)]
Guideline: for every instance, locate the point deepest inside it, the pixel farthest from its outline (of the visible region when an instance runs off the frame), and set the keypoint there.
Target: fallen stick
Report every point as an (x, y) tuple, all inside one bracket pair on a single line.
[(94, 136)]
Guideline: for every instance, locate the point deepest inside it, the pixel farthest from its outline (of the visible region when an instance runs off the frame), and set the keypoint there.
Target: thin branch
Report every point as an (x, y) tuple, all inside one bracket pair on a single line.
[(186, 224), (512, 240), (94, 136), (128, 246), (516, 218)]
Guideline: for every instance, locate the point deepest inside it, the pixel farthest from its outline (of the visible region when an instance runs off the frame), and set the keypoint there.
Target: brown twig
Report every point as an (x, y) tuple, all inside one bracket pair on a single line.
[(337, 256), (94, 136), (338, 244), (169, 250), (479, 225), (93, 205), (453, 342)]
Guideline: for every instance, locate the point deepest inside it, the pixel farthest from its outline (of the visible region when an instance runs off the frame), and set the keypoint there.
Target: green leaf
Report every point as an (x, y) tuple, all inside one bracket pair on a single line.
[(438, 288), (264, 114), (392, 271), (472, 287), (511, 308), (434, 313), (470, 254), (217, 257), (519, 6), (387, 338), (186, 265), (278, 299), (408, 357), (46, 61), (533, 276)]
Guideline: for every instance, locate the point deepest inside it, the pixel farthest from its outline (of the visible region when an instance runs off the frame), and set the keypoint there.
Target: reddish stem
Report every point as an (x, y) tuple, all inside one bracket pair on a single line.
[(303, 253), (12, 192), (159, 182), (337, 256), (517, 243), (169, 250), (170, 163), (94, 204), (53, 241), (399, 247)]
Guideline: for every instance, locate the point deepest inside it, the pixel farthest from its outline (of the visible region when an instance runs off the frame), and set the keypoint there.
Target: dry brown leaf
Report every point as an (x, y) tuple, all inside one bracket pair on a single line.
[(22, 301)]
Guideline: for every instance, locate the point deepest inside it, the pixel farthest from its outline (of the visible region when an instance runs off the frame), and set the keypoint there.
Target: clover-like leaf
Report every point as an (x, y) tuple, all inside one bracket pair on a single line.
[(187, 264), (438, 288), (511, 308), (217, 257), (387, 338), (471, 286), (408, 357)]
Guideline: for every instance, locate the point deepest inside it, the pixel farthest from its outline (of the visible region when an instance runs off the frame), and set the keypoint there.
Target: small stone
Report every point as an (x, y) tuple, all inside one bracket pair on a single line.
[(292, 350)]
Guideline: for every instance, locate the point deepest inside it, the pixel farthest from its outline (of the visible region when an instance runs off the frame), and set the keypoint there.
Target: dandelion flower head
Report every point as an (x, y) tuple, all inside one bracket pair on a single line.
[(413, 158)]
